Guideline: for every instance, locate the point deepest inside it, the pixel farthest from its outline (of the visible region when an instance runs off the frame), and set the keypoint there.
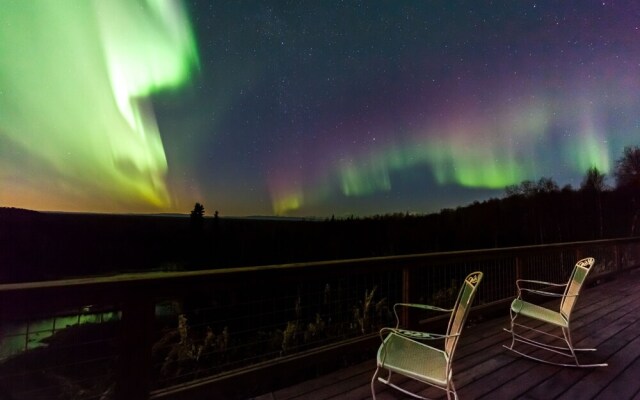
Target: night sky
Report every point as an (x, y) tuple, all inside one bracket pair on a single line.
[(309, 108)]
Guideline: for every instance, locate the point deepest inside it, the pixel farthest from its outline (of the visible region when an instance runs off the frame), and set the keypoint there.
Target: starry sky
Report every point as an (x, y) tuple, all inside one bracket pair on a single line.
[(309, 108)]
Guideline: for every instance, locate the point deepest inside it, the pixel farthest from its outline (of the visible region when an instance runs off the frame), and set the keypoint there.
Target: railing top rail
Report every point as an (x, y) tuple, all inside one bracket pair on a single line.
[(159, 276)]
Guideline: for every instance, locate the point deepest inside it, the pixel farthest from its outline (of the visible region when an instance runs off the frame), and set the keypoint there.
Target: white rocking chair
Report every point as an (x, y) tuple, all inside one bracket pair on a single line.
[(560, 319), (404, 352)]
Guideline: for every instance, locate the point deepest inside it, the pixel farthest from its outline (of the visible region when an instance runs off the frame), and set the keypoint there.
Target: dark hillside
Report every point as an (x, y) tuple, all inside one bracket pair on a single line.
[(37, 246)]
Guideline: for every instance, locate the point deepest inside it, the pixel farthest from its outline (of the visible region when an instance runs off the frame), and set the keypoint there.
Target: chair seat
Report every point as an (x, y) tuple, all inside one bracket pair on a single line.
[(413, 359), (527, 309)]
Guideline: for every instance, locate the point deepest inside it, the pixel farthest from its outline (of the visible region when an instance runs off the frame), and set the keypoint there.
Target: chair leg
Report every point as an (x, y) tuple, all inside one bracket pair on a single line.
[(373, 381), (451, 389), (567, 338), (387, 381), (512, 329)]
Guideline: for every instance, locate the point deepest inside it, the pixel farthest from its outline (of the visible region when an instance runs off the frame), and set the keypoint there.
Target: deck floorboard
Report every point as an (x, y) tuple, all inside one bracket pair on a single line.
[(606, 317)]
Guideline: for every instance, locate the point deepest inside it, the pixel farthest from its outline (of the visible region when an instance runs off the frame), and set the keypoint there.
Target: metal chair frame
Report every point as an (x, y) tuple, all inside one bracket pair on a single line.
[(403, 351), (560, 319)]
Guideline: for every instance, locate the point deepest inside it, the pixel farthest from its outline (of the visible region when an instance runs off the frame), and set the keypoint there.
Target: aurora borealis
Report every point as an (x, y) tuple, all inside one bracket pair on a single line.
[(77, 131), (308, 108)]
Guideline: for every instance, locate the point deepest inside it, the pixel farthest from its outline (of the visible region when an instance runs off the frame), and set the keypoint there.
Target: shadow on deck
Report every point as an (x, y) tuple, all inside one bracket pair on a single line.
[(607, 317)]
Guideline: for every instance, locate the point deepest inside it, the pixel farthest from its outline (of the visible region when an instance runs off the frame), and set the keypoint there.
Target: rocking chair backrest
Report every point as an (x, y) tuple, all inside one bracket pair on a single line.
[(578, 276), (461, 310)]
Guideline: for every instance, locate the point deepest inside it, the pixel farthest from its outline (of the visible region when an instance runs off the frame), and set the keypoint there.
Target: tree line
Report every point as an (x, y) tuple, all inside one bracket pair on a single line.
[(531, 212)]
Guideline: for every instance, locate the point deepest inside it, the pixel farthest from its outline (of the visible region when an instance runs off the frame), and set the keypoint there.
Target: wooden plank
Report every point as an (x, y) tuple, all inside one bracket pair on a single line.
[(607, 316), (537, 373), (625, 386), (334, 378), (596, 381), (345, 385), (517, 369), (508, 374), (611, 338)]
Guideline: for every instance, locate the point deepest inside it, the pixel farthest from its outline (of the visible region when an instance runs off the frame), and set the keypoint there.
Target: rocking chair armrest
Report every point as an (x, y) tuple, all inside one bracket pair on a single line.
[(542, 292), (519, 281), (422, 306), (415, 335), (415, 305)]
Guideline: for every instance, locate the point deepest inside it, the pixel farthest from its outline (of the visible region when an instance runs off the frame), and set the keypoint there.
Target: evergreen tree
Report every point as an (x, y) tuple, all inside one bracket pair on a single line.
[(197, 216)]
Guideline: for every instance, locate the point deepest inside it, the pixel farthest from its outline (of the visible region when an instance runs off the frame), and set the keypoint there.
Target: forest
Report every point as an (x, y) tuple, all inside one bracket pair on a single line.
[(43, 246)]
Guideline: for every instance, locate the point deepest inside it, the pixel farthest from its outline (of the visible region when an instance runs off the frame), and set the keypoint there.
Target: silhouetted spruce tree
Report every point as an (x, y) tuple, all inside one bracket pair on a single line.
[(197, 215), (197, 235)]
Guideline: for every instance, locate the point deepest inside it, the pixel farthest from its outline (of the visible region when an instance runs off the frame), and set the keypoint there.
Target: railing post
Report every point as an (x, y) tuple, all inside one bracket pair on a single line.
[(617, 259), (406, 296), (133, 374)]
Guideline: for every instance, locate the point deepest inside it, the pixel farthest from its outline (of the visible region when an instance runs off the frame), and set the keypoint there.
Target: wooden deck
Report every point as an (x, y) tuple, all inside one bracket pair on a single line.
[(607, 317)]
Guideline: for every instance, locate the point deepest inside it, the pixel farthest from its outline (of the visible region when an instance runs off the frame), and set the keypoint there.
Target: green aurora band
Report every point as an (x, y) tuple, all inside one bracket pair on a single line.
[(75, 77), (470, 152), (474, 156)]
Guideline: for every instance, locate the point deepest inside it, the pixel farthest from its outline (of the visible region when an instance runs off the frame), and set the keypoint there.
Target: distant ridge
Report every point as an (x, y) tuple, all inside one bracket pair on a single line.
[(274, 218), (12, 211)]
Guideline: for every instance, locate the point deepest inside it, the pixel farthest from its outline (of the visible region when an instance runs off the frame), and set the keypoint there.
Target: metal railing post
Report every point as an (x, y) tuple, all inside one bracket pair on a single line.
[(406, 296), (616, 259)]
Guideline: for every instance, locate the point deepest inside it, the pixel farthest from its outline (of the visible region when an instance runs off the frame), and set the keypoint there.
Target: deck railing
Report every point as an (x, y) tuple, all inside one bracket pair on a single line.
[(238, 332)]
